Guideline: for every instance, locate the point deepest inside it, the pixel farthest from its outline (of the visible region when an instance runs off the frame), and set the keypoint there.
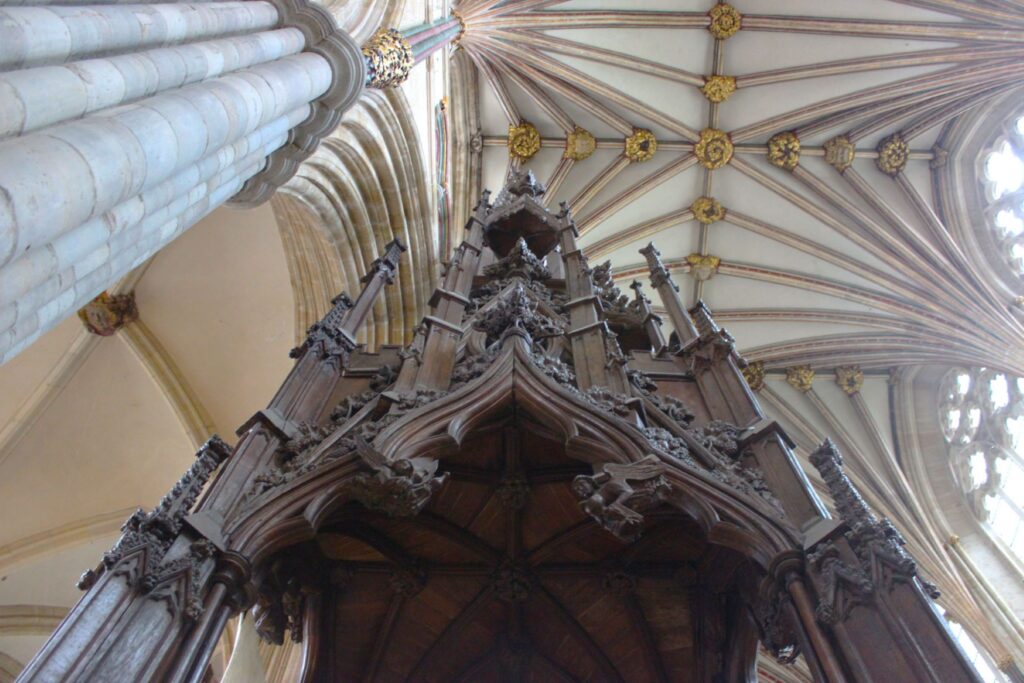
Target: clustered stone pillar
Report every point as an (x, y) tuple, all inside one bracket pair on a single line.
[(122, 125)]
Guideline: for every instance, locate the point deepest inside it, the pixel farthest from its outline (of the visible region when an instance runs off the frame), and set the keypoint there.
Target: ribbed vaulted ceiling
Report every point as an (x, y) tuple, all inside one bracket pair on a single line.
[(848, 262)]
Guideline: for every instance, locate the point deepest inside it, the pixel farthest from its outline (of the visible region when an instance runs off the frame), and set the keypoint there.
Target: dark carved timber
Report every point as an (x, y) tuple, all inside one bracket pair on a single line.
[(422, 514)]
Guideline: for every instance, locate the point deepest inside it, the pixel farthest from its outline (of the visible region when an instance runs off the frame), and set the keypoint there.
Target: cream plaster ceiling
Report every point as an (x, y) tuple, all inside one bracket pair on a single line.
[(90, 428)]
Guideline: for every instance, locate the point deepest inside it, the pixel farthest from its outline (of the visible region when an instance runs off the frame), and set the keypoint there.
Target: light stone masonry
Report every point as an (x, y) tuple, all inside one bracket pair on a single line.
[(122, 124)]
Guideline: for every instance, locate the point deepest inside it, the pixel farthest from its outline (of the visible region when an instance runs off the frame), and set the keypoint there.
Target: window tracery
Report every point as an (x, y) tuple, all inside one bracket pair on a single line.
[(982, 416), (1003, 179)]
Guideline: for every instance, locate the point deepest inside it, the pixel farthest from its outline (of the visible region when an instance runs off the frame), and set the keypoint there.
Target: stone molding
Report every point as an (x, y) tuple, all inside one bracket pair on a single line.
[(348, 73)]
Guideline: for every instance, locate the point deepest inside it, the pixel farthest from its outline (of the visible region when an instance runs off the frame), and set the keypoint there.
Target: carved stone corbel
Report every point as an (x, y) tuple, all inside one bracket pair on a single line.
[(617, 495)]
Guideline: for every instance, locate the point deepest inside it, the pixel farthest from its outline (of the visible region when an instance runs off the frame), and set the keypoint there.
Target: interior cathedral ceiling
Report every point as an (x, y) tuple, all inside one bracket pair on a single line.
[(794, 163), (806, 168)]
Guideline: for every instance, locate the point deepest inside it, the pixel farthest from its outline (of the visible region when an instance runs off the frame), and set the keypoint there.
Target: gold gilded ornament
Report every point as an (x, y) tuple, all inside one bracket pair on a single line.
[(893, 153), (800, 377), (850, 379), (754, 374), (579, 144), (840, 152), (714, 149), (725, 21), (707, 210), (388, 59), (718, 88), (462, 27), (784, 150), (703, 266), (641, 145), (523, 141)]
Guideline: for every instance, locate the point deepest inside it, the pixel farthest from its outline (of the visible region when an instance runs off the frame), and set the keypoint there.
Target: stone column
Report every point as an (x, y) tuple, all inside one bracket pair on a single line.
[(123, 125)]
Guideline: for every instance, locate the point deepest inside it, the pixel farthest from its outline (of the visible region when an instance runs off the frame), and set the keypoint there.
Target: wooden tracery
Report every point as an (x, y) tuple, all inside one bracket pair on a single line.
[(514, 495)]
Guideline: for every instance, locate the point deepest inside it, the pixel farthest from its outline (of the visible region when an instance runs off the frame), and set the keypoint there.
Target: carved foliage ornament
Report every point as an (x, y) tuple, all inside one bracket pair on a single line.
[(840, 152), (893, 153), (754, 374), (147, 537), (521, 262), (325, 335), (389, 59), (707, 210), (108, 313), (850, 379), (725, 21), (843, 585), (784, 150), (718, 88), (641, 145), (579, 144), (714, 149), (877, 543), (523, 141), (800, 377)]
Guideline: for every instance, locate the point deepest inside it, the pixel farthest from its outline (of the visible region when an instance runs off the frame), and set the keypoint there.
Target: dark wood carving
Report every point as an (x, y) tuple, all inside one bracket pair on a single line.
[(538, 487)]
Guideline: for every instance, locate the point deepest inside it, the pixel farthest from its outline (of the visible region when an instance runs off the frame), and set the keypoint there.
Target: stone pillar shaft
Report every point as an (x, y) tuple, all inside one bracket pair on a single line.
[(123, 124)]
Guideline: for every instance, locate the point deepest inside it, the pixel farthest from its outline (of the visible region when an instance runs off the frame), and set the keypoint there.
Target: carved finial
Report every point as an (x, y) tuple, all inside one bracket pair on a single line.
[(166, 518), (659, 273), (108, 313), (702, 318), (519, 261), (849, 504), (386, 264), (640, 300)]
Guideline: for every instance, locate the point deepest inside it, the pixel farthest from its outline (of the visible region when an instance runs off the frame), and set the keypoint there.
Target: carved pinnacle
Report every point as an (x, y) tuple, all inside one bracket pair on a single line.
[(388, 263), (701, 315), (659, 273)]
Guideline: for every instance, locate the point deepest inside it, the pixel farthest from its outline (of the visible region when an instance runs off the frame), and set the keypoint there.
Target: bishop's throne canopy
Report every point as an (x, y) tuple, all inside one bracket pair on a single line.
[(544, 485)]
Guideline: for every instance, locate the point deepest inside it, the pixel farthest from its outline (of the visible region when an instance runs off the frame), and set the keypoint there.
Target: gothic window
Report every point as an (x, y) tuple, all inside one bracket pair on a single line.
[(975, 655), (982, 417), (1003, 179)]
